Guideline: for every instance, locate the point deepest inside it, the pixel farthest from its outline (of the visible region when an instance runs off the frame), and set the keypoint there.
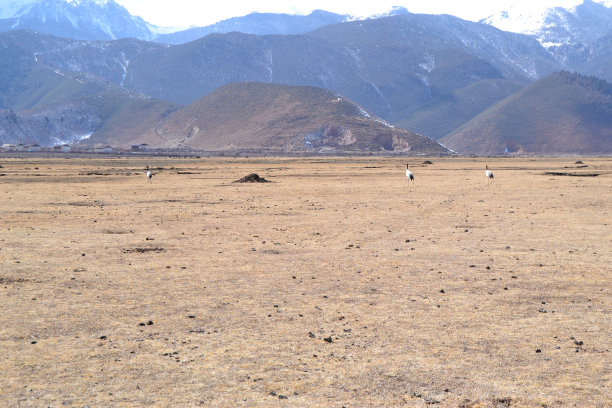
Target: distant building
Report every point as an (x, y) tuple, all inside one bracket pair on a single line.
[(140, 147), (8, 146), (62, 148), (105, 149), (19, 147), (33, 148)]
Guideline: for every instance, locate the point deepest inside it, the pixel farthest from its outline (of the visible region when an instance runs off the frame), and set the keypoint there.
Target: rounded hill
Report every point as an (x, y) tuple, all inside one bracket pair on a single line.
[(270, 117)]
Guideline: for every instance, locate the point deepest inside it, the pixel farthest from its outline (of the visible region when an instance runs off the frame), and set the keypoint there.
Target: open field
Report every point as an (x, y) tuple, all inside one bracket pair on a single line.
[(338, 284)]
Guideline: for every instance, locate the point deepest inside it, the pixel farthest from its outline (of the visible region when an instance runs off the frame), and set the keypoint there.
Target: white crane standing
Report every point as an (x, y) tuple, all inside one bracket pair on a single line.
[(488, 173), (409, 175), (149, 174)]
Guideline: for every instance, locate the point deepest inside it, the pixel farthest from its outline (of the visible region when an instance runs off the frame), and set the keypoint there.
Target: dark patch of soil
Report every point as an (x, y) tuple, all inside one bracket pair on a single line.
[(252, 178), (6, 280), (562, 173), (503, 402), (108, 231), (143, 250), (84, 203), (427, 162)]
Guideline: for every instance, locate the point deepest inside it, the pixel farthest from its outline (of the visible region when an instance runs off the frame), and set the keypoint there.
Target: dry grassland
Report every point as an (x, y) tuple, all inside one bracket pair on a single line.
[(192, 290)]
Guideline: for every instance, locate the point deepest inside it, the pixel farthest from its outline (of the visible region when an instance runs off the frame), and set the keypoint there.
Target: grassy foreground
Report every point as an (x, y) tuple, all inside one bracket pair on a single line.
[(337, 284)]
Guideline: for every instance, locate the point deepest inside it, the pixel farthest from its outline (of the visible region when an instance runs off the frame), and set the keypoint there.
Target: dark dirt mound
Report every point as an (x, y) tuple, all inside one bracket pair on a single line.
[(252, 178), (427, 162)]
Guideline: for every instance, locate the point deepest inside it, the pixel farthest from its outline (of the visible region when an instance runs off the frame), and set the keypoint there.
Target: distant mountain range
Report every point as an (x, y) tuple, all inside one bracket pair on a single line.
[(105, 20), (391, 66), (258, 24), (434, 75)]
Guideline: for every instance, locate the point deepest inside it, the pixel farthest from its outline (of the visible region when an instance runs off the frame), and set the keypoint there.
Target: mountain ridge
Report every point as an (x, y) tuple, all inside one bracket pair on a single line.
[(258, 24), (560, 114), (392, 66)]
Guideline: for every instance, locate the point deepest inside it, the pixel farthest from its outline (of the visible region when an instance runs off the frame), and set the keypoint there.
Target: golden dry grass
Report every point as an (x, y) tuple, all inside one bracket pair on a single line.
[(243, 282)]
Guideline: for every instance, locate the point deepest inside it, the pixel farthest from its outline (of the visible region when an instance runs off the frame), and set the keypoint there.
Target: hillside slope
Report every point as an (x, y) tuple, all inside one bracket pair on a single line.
[(38, 69), (114, 117), (284, 118), (447, 112), (562, 113)]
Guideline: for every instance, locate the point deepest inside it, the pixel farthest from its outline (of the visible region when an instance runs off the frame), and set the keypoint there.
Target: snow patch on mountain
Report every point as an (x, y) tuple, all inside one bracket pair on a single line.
[(15, 8), (79, 2), (518, 20), (159, 30), (69, 139)]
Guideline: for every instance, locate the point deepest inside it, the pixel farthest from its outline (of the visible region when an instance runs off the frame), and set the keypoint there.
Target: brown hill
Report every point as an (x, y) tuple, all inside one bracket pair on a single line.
[(258, 116), (562, 113)]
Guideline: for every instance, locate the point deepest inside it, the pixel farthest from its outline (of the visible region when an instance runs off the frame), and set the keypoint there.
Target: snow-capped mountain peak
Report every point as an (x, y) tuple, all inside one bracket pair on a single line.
[(574, 34), (518, 19), (556, 25), (79, 19)]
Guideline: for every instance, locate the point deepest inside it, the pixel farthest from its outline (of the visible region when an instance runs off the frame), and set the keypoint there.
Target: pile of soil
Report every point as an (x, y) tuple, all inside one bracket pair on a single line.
[(252, 178)]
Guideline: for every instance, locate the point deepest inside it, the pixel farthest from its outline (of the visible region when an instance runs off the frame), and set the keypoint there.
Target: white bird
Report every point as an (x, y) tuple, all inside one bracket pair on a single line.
[(488, 173), (149, 174), (409, 175)]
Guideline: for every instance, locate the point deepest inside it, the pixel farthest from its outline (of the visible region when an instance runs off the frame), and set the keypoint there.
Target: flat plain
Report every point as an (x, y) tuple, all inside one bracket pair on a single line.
[(336, 284)]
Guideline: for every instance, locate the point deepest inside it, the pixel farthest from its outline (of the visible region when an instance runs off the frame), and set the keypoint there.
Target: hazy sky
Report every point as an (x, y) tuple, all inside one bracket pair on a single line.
[(200, 13)]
